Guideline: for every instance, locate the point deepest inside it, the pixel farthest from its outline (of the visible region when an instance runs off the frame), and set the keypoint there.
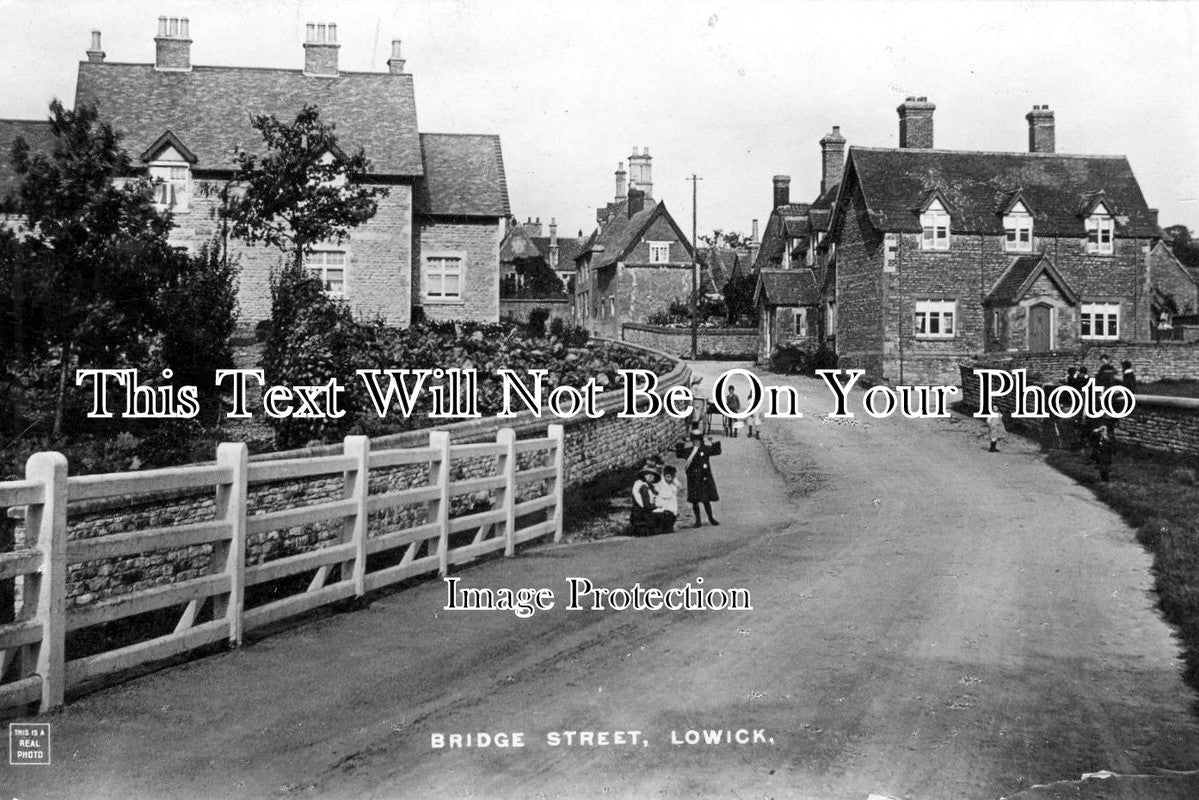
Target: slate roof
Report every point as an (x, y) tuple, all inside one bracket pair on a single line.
[(40, 137), (786, 220), (621, 232), (787, 287), (519, 244), (209, 109), (821, 212), (975, 185), (720, 262), (1019, 277), (464, 176)]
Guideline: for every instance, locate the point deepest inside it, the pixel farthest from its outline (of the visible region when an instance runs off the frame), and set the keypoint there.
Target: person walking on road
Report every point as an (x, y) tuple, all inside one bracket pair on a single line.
[(995, 429), (1129, 376), (733, 403), (701, 486)]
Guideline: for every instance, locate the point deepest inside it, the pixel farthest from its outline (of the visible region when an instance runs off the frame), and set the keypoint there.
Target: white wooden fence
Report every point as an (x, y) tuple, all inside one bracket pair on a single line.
[(34, 644)]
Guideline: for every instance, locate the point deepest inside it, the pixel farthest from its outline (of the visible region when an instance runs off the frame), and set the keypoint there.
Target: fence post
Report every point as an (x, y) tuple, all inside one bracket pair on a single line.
[(230, 506), (507, 437), (557, 434), (358, 487), (440, 441), (49, 520)]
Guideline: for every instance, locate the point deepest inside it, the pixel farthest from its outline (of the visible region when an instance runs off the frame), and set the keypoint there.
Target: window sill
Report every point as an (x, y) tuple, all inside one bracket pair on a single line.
[(443, 301), (933, 337)]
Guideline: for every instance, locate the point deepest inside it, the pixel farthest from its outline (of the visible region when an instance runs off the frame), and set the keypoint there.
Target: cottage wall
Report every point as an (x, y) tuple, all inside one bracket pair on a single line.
[(859, 293), (378, 277), (479, 240)]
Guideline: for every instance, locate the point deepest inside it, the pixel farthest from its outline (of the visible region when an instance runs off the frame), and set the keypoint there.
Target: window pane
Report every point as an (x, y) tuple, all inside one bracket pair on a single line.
[(452, 283), (934, 323), (947, 319), (1085, 325)]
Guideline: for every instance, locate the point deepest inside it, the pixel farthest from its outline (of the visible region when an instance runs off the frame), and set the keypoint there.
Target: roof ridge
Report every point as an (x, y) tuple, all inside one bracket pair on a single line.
[(226, 67), (435, 133), (983, 152)]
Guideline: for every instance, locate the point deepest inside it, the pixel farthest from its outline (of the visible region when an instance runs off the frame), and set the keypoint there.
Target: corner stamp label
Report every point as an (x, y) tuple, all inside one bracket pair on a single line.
[(28, 743)]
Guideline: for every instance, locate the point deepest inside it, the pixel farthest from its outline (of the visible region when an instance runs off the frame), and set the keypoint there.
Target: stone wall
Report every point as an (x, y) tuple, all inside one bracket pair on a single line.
[(594, 447), (519, 309), (1152, 362), (1170, 424), (727, 343)]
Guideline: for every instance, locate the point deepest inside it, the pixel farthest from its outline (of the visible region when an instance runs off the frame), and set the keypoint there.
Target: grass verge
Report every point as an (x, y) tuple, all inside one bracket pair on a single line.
[(1157, 494)]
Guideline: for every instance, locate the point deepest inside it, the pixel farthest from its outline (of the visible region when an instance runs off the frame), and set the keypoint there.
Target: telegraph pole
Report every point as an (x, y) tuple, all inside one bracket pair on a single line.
[(695, 179)]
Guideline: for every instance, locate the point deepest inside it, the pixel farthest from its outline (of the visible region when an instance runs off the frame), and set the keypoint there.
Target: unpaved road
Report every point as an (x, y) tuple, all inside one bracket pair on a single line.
[(930, 621)]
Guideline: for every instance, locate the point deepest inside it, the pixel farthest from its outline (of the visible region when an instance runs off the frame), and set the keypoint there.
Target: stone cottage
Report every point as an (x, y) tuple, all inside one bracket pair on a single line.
[(940, 254), (434, 243), (636, 262)]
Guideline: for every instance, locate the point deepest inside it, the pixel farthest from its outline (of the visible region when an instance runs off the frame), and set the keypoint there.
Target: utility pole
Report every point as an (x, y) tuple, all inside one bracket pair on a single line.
[(695, 179)]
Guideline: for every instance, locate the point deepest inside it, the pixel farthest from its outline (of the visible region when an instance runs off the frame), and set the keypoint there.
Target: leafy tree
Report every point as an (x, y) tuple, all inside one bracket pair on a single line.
[(313, 338), (96, 255), (719, 238), (201, 303), (535, 279), (302, 190), (1185, 249), (739, 296)]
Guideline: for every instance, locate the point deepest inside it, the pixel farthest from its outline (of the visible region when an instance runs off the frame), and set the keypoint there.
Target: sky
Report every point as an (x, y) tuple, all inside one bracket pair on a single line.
[(734, 92)]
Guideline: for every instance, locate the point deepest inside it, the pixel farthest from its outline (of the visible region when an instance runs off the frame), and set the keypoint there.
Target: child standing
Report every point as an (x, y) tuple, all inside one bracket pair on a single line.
[(995, 429), (666, 505)]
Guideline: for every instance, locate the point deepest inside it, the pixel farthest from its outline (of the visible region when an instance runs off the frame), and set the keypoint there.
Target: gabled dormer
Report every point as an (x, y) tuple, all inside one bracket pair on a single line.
[(935, 226), (1100, 225), (169, 163), (1017, 223)]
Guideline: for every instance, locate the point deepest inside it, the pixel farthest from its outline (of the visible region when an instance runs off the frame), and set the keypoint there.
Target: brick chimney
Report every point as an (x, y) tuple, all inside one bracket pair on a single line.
[(622, 185), (532, 228), (172, 44), (832, 159), (94, 53), (916, 123), (320, 51), (641, 172), (782, 190), (636, 202), (754, 243), (395, 63), (1040, 130), (553, 243)]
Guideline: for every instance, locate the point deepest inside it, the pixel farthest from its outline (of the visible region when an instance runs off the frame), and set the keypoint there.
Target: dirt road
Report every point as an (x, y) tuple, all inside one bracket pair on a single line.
[(929, 620)]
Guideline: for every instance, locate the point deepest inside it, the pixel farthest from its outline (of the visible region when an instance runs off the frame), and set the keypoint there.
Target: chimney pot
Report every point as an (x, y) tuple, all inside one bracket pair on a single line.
[(172, 45), (320, 51), (1041, 130), (396, 62), (782, 190), (753, 237), (95, 53), (832, 159), (916, 123)]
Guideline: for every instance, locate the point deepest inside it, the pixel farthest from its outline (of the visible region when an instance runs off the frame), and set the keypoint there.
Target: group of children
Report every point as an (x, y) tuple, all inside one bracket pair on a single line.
[(655, 498)]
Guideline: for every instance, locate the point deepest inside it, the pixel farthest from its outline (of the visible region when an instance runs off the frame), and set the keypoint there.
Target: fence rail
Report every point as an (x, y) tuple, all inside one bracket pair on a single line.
[(212, 608)]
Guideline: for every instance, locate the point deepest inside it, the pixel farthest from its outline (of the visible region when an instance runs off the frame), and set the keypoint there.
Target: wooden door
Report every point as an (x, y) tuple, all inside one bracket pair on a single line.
[(1039, 335)]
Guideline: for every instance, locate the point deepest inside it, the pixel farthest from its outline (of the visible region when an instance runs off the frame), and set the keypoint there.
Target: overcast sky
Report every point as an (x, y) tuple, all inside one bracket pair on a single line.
[(734, 91)]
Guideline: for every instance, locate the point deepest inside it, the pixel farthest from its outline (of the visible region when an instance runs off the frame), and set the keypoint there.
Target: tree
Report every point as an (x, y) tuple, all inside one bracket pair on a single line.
[(303, 190), (96, 255), (201, 304), (739, 296), (1184, 248), (733, 240)]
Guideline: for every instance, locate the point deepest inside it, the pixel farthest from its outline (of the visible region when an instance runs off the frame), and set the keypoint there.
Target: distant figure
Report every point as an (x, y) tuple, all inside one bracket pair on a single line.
[(733, 403), (995, 429), (701, 486), (1072, 378), (1103, 446), (1129, 376), (753, 425), (1106, 376)]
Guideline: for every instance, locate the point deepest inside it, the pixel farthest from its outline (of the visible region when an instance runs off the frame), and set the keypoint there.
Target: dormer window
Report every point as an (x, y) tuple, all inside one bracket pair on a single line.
[(1017, 228), (1101, 230), (172, 185), (935, 224)]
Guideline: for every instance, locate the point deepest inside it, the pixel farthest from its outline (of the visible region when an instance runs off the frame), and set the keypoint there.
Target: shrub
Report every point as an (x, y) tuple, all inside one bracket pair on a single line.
[(537, 319), (789, 360), (557, 328)]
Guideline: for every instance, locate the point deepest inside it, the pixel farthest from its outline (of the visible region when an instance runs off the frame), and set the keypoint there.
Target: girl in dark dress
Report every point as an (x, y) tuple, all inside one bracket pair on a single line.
[(701, 486)]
